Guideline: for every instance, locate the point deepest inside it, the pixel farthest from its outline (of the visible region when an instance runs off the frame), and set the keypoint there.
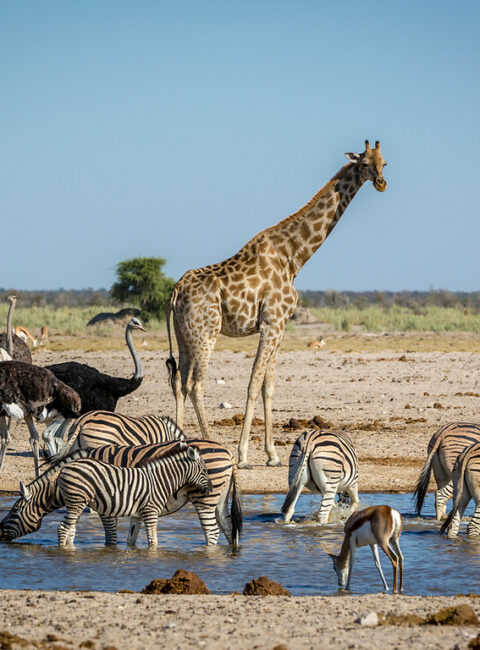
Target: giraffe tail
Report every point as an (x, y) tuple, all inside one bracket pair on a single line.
[(171, 363)]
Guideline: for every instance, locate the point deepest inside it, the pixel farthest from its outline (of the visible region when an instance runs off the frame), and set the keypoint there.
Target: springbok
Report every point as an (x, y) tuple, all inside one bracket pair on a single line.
[(25, 335), (374, 526)]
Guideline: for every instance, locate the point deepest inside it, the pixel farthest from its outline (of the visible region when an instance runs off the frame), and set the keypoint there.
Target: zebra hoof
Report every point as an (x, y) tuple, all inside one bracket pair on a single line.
[(244, 465), (274, 462)]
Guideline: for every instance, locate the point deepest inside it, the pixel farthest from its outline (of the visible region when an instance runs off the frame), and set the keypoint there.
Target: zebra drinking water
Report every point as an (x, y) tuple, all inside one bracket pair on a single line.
[(42, 496), (114, 492), (324, 462)]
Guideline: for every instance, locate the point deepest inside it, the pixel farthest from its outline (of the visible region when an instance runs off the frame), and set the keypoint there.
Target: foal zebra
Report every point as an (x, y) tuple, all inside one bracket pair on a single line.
[(42, 496), (466, 486), (141, 492), (323, 462), (98, 428), (446, 444)]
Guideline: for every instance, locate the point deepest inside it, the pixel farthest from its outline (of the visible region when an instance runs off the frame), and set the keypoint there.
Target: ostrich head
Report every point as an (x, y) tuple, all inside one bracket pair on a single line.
[(135, 324)]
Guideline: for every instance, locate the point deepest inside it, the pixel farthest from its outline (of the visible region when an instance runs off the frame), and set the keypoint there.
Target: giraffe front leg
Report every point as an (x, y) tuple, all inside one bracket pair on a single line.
[(4, 439), (268, 342), (268, 388)]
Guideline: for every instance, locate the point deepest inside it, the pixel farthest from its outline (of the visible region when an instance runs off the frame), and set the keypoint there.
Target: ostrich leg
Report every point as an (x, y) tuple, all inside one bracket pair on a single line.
[(4, 438), (34, 439)]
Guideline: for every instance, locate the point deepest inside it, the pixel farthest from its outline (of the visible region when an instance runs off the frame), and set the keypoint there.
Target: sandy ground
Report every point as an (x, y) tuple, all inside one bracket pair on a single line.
[(107, 621), (390, 401)]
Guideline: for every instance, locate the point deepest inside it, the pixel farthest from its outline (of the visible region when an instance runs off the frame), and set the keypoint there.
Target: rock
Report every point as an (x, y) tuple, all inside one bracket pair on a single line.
[(263, 586), (370, 619), (437, 405), (294, 423), (474, 643), (182, 582), (220, 381), (225, 405)]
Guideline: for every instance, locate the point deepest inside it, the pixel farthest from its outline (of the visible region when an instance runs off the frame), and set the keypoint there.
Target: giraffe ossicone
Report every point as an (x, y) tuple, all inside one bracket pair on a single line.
[(253, 292)]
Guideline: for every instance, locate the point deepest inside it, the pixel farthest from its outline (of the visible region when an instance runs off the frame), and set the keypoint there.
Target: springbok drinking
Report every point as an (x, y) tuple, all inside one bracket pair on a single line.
[(374, 526)]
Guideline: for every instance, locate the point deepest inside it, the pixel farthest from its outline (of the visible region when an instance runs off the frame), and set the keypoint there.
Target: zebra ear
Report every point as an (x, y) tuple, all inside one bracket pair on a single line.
[(25, 492), (193, 453)]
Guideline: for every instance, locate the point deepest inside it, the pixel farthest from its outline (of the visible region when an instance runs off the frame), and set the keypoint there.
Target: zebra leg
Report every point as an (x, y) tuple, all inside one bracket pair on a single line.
[(4, 439), (134, 529), (298, 483), (67, 527), (473, 528), (110, 528), (352, 491), (442, 495), (150, 519), (376, 559), (34, 438), (328, 499), (208, 520), (455, 523)]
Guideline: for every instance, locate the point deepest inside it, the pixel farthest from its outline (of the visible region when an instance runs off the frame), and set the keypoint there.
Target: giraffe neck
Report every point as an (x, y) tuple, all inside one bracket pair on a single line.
[(301, 234)]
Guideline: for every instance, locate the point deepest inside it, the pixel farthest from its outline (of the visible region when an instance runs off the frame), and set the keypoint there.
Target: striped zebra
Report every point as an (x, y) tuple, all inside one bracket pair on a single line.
[(42, 496), (98, 428), (443, 450), (466, 486), (141, 491), (323, 462)]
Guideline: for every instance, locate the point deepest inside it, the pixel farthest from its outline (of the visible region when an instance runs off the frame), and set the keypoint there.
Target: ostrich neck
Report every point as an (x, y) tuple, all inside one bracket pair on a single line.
[(136, 359), (9, 331)]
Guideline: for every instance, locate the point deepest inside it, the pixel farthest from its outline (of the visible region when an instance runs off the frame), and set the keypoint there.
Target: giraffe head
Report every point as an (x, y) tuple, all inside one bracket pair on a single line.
[(371, 164)]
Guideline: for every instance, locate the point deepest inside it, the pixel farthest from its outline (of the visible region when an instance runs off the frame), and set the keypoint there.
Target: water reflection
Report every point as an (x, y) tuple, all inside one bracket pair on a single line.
[(291, 553)]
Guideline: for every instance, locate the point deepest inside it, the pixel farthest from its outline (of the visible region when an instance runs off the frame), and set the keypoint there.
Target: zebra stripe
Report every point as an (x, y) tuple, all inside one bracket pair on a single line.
[(466, 486), (42, 496), (446, 444), (324, 462), (98, 428), (113, 491)]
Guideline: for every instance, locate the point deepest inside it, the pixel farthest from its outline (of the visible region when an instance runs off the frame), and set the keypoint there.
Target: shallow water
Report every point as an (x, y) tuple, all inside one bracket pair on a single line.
[(290, 554)]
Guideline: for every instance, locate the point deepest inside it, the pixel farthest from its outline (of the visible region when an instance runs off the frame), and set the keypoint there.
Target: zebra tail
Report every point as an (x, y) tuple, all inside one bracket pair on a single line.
[(236, 507), (171, 363), (297, 478), (424, 478), (458, 495)]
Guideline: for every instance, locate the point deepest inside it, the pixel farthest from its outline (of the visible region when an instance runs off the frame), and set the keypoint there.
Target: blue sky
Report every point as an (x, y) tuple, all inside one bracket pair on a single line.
[(181, 129)]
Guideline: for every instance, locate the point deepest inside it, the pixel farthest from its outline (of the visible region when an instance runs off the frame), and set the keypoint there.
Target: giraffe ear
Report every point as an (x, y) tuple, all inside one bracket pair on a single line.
[(353, 157)]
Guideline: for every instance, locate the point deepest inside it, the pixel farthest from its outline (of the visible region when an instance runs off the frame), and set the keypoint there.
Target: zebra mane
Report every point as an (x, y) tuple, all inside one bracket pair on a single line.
[(56, 467)]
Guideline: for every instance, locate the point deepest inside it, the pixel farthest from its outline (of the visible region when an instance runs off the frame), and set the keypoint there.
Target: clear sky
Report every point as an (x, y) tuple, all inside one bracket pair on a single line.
[(180, 129)]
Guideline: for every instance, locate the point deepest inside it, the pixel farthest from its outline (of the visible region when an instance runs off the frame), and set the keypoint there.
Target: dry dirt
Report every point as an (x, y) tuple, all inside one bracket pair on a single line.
[(390, 401), (389, 393)]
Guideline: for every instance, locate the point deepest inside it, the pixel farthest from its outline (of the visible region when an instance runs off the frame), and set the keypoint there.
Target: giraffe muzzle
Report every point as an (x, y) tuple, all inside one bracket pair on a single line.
[(380, 184)]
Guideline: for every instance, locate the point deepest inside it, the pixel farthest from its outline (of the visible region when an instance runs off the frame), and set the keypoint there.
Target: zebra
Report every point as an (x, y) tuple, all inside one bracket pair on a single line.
[(42, 496), (466, 486), (324, 462), (141, 492), (98, 428), (443, 450)]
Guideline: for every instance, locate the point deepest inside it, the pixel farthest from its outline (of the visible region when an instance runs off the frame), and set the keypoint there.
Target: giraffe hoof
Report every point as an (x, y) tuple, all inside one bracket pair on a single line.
[(244, 465), (274, 462)]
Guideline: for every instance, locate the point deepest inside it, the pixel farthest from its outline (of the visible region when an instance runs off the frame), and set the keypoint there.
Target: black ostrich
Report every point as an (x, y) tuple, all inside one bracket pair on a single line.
[(97, 390), (11, 343), (27, 392)]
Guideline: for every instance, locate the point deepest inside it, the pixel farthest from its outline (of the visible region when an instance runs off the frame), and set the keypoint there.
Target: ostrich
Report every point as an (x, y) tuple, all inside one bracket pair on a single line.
[(27, 392), (97, 390), (11, 343)]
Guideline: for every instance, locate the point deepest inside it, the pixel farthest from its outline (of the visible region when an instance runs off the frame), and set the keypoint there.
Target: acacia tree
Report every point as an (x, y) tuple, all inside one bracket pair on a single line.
[(141, 282)]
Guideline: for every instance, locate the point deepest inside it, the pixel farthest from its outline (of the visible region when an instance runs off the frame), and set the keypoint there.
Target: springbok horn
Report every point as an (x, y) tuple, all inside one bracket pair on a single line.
[(367, 145), (377, 144)]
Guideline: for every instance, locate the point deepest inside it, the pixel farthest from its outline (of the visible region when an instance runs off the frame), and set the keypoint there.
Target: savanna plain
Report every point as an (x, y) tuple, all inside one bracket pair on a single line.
[(390, 390)]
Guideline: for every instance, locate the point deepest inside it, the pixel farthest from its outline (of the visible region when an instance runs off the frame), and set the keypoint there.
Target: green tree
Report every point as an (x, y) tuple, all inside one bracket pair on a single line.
[(141, 282)]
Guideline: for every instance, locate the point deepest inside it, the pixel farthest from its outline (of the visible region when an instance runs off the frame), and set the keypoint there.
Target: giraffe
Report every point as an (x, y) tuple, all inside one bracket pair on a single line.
[(253, 292)]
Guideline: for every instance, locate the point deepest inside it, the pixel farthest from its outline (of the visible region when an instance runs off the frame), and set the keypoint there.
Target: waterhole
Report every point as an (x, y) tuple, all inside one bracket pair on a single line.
[(290, 554)]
